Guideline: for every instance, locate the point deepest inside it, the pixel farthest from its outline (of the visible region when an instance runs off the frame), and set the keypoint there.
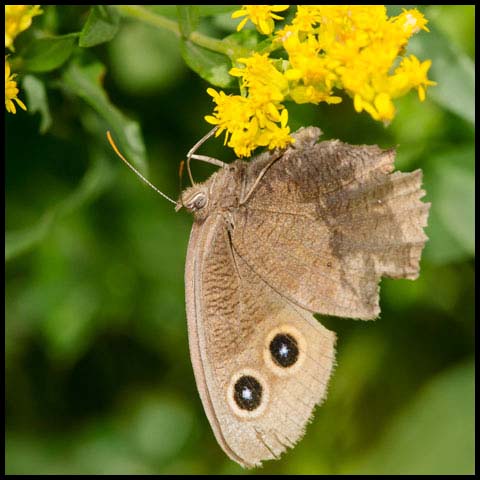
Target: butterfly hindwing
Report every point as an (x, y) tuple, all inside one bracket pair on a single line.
[(262, 362)]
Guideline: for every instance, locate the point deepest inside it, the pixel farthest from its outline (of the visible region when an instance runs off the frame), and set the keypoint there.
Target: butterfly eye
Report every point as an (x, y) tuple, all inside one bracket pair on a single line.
[(247, 393), (197, 202), (284, 350)]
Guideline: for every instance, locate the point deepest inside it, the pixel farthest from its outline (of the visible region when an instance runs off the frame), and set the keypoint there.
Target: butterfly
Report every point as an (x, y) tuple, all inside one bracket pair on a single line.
[(308, 229)]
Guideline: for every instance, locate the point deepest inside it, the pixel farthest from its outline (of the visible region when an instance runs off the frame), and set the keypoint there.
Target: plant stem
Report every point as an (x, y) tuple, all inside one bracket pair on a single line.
[(140, 13), (211, 43)]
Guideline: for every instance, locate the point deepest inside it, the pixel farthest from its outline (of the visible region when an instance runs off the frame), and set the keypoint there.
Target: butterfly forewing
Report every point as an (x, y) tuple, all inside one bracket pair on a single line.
[(328, 220)]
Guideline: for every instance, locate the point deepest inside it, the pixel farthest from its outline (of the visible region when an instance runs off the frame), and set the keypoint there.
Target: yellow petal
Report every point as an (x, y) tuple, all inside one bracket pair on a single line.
[(238, 13), (242, 24), (22, 105), (421, 93), (211, 119), (358, 103)]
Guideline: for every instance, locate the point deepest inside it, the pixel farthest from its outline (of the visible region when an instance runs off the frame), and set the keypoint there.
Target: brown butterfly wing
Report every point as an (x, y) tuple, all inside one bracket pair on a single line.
[(327, 221), (236, 321)]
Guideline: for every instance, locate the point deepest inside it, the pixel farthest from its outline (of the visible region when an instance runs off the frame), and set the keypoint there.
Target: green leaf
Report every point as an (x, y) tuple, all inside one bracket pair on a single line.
[(434, 435), (247, 40), (85, 81), (457, 22), (450, 183), (97, 178), (37, 100), (101, 26), (187, 19), (47, 54), (211, 66), (442, 248), (452, 69), (455, 184)]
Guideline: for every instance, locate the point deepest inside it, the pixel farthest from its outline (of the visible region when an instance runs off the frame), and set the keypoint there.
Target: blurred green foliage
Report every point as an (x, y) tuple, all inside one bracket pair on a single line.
[(98, 374)]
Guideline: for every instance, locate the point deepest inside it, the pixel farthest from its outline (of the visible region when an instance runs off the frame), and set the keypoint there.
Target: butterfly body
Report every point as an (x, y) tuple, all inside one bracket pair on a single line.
[(309, 229)]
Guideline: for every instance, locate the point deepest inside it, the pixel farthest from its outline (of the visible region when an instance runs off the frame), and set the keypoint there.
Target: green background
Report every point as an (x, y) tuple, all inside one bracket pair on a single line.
[(98, 374)]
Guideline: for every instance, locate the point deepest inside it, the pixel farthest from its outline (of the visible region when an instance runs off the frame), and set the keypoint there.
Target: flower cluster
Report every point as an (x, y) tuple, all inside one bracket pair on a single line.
[(259, 118), (17, 19), (11, 90), (329, 48)]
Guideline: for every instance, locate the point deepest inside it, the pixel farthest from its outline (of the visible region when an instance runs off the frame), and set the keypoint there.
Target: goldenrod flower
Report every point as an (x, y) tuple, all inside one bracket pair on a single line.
[(11, 91), (17, 19), (261, 78), (258, 118), (231, 113), (261, 16), (328, 48), (414, 74), (249, 123), (412, 21), (306, 17)]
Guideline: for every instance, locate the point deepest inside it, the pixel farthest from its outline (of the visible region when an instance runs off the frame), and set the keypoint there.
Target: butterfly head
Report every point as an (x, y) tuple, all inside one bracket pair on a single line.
[(220, 191), (196, 200)]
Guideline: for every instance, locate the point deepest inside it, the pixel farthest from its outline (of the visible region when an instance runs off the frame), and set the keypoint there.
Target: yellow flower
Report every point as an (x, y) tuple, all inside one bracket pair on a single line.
[(306, 17), (275, 136), (231, 113), (415, 74), (17, 19), (325, 48), (257, 118), (249, 123), (412, 21), (261, 78), (11, 91), (261, 16)]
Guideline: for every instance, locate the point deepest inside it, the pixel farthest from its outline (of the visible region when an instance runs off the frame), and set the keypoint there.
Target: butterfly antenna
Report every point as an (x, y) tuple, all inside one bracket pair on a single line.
[(110, 139), (180, 184)]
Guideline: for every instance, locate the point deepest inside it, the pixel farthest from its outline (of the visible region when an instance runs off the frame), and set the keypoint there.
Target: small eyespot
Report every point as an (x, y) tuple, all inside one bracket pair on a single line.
[(247, 393), (284, 350)]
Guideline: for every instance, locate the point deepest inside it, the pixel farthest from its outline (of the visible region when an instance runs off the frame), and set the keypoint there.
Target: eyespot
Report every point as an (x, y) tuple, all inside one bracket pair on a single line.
[(247, 393), (285, 350)]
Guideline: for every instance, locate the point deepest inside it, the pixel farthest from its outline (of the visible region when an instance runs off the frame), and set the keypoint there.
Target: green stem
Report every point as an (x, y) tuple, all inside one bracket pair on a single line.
[(140, 13), (213, 44)]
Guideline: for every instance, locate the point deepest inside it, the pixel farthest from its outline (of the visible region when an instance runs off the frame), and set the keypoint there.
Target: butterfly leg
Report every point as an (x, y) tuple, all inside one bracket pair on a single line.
[(203, 158)]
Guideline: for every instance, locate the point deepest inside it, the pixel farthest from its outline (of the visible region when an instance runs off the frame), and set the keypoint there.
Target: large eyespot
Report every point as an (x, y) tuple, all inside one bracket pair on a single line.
[(285, 350), (197, 202), (247, 393)]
